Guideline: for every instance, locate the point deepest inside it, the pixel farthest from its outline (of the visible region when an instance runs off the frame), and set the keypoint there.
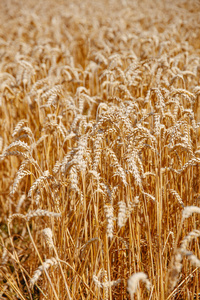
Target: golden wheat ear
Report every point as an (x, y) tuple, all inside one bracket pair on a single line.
[(99, 149)]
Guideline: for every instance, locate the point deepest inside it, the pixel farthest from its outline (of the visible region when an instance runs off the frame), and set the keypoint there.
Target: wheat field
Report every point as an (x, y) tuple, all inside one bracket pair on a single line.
[(100, 149)]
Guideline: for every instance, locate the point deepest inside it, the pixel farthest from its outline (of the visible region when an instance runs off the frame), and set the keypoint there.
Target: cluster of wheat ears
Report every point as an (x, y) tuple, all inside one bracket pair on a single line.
[(99, 149)]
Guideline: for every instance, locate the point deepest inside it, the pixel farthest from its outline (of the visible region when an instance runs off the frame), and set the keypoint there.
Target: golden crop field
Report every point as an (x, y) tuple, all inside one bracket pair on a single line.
[(100, 149)]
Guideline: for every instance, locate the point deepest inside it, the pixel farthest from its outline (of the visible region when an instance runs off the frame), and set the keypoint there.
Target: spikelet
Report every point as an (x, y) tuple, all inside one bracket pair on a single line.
[(120, 171), (175, 270), (37, 182), (188, 238), (64, 165), (122, 214), (178, 257), (174, 132), (57, 167), (120, 116), (192, 258), (34, 213), (191, 162), (19, 177), (73, 176), (105, 284), (27, 133), (105, 287), (80, 96), (102, 107), (133, 169), (44, 267), (24, 73), (132, 204), (19, 125), (157, 124), (52, 95), (48, 237), (124, 211), (41, 213), (25, 155), (79, 158), (178, 198), (37, 198), (115, 61), (133, 283), (20, 202), (100, 58), (19, 144), (38, 85), (96, 281), (108, 208), (4, 257), (20, 174), (190, 96), (97, 150), (189, 210)]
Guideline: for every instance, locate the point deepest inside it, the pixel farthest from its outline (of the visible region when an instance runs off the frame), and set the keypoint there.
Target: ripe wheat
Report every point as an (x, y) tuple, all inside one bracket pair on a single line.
[(99, 149)]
